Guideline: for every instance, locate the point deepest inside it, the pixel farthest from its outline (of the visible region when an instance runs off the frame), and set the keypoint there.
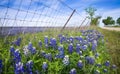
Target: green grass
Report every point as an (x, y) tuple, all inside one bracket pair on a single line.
[(112, 39)]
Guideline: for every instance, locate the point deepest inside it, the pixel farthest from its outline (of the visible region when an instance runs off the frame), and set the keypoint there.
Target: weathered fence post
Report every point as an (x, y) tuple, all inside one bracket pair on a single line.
[(68, 20)]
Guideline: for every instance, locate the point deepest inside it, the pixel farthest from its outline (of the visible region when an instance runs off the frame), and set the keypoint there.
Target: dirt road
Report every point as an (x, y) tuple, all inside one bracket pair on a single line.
[(112, 28)]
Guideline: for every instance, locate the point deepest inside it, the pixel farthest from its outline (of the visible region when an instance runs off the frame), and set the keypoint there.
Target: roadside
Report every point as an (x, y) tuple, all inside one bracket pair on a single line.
[(111, 28)]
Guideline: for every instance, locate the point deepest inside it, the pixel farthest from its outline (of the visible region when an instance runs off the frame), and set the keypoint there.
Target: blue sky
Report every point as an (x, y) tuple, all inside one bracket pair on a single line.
[(104, 8)]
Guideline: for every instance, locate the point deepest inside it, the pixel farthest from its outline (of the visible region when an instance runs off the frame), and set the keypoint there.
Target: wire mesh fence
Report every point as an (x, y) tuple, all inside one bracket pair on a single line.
[(36, 15)]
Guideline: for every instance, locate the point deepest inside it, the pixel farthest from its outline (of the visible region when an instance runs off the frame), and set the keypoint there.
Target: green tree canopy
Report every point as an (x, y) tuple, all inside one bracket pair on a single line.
[(108, 21), (91, 12), (118, 21)]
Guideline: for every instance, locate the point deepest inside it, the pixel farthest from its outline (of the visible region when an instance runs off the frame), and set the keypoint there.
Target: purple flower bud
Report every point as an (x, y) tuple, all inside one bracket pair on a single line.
[(46, 40), (44, 66), (71, 39), (78, 48), (40, 43), (96, 55), (80, 64), (94, 45), (84, 47), (17, 56), (1, 65), (12, 50), (70, 48), (107, 63), (30, 46), (73, 71), (114, 67), (29, 66), (90, 60), (19, 69)]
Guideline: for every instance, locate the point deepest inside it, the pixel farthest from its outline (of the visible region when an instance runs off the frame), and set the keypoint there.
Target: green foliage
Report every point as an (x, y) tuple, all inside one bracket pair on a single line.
[(108, 21), (118, 21), (90, 11), (95, 21)]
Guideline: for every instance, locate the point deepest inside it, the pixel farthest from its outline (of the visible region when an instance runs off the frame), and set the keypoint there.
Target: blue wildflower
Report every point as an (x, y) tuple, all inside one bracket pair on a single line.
[(30, 46), (12, 50), (78, 48), (107, 63), (17, 56), (73, 71), (1, 65), (66, 60), (84, 47), (19, 69), (90, 60), (44, 66), (46, 40), (26, 51), (114, 67), (29, 67), (40, 43), (70, 48), (80, 64), (71, 39)]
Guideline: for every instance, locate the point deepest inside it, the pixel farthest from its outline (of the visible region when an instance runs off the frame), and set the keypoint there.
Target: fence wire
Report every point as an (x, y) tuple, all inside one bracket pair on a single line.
[(36, 13)]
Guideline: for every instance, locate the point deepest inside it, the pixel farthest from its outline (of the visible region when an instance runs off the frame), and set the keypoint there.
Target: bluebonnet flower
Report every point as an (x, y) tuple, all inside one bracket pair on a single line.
[(60, 48), (97, 55), (19, 69), (78, 48), (53, 43), (71, 39), (17, 42), (107, 63), (94, 45), (73, 71), (48, 56), (26, 51), (61, 52), (40, 43), (46, 40), (30, 46), (33, 50), (90, 60), (63, 38), (80, 64), (1, 65), (43, 53), (70, 48), (29, 67), (44, 66), (66, 60), (17, 56), (84, 47), (105, 70), (114, 67), (97, 72), (12, 50)]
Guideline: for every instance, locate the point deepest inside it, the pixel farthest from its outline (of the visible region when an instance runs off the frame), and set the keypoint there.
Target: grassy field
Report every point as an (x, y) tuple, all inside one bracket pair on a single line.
[(112, 43)]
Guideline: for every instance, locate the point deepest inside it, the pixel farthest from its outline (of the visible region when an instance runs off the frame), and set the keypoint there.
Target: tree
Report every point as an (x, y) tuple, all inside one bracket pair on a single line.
[(95, 20), (118, 21), (91, 12), (108, 21)]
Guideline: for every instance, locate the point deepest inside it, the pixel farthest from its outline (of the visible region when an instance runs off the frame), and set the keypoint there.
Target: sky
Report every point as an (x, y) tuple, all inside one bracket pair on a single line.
[(54, 12)]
